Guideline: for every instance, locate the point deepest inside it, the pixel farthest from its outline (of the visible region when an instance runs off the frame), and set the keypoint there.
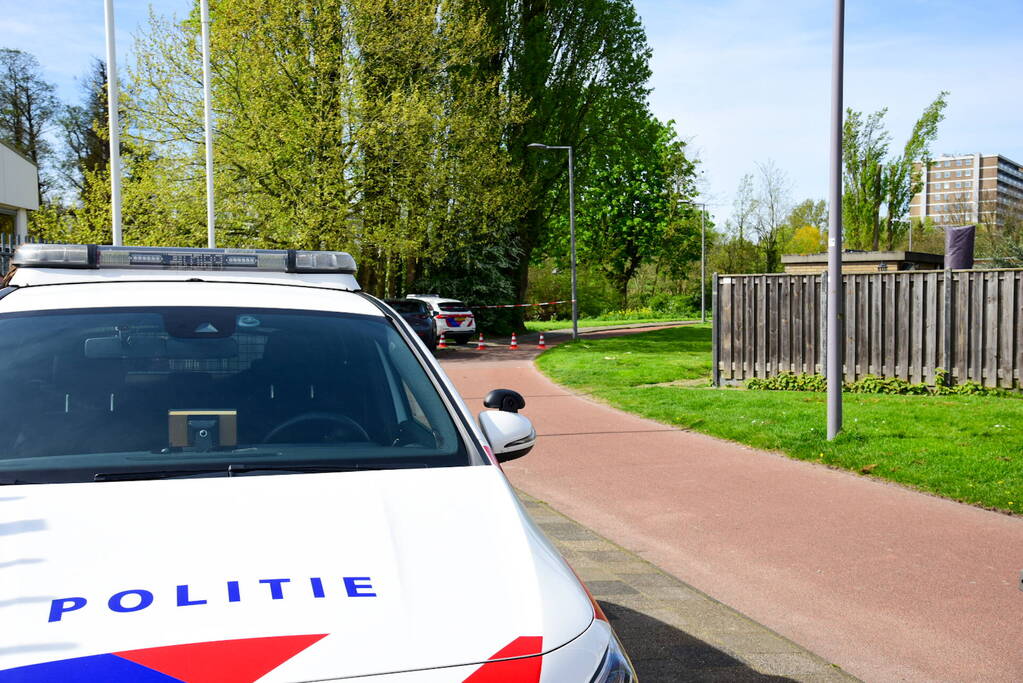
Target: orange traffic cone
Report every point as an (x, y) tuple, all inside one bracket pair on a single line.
[(514, 344), (442, 344), (480, 346), (541, 345)]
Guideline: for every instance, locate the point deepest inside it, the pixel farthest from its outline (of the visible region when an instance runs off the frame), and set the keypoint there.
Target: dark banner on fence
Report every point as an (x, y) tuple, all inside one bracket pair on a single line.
[(904, 324)]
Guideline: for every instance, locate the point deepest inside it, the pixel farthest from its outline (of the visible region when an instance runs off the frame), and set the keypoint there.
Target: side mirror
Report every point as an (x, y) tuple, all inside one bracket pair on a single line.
[(505, 399), (510, 435)]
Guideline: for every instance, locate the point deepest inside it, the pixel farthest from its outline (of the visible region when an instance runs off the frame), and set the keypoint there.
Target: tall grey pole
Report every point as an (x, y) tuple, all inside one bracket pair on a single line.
[(571, 224), (703, 264), (836, 311), (571, 232), (211, 230), (113, 125)]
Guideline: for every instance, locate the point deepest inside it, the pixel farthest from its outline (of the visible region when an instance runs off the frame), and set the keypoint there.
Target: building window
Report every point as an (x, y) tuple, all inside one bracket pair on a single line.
[(946, 186), (959, 174), (969, 173), (959, 162)]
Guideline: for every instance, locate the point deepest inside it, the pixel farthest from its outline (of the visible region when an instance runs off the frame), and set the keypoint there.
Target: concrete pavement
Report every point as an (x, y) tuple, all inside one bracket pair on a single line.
[(672, 631), (887, 583)]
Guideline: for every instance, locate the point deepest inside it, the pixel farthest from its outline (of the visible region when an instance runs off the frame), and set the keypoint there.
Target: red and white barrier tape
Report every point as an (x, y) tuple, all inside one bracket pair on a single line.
[(542, 303)]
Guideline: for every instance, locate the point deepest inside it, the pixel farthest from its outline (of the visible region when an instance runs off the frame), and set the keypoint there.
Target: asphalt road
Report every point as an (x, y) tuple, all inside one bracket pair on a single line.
[(887, 583)]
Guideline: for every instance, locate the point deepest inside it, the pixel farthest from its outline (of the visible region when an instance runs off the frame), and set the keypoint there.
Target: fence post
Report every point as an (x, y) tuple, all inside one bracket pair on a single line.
[(822, 328), (715, 335), (947, 361)]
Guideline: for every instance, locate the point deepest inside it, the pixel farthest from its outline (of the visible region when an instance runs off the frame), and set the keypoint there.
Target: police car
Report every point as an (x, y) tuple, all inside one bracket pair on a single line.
[(233, 466), (454, 319)]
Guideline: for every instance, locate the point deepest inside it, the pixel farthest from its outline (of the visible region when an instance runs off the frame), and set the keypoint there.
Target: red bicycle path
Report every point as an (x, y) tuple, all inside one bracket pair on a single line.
[(887, 583)]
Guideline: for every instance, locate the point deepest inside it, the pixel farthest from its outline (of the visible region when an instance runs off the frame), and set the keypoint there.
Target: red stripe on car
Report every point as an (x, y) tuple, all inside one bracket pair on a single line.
[(500, 669)]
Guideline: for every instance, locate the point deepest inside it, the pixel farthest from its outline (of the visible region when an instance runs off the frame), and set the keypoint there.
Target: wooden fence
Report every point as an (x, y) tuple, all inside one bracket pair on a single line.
[(903, 324)]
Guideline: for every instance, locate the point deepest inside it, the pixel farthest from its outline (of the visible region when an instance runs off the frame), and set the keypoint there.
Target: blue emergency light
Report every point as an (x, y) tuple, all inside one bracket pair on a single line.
[(181, 258)]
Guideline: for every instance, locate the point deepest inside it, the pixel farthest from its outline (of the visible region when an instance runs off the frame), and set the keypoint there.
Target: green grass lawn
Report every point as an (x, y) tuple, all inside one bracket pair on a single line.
[(546, 325), (967, 448)]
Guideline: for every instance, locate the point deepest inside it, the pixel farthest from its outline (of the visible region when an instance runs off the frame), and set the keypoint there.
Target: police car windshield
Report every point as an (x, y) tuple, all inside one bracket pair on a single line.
[(185, 388)]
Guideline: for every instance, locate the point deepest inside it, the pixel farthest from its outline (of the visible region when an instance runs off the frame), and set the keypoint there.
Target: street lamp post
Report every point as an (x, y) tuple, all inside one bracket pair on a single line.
[(703, 259), (571, 225), (836, 315)]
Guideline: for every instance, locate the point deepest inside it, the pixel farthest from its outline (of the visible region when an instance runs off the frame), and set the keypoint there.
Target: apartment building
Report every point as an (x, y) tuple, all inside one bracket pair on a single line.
[(967, 189)]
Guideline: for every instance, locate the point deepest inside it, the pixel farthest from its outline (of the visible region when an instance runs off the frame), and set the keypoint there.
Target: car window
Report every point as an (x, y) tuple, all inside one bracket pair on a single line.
[(88, 391), (453, 306), (407, 306)]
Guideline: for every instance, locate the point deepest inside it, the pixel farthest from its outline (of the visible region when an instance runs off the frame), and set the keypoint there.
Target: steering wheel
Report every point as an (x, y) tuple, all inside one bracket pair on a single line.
[(336, 418)]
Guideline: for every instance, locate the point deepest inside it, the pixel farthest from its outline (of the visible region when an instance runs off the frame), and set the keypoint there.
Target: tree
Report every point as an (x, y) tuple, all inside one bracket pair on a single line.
[(1005, 237), (902, 175), (806, 239), (772, 208), (809, 212), (744, 207), (873, 182), (580, 66), (806, 226), (735, 252), (84, 133), (28, 108), (864, 147), (341, 124), (630, 208)]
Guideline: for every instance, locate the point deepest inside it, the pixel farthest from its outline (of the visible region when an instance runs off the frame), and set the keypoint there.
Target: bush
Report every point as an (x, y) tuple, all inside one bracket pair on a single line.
[(872, 384), (679, 306)]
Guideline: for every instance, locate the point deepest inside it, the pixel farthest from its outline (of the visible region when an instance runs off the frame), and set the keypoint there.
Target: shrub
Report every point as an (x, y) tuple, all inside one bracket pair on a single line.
[(872, 384)]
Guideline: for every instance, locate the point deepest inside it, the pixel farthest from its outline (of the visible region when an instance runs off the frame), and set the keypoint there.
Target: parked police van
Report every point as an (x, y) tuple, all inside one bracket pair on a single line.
[(232, 465)]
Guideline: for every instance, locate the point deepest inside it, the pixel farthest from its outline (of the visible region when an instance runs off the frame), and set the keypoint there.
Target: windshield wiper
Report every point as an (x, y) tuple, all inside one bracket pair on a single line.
[(154, 474), (285, 467), (234, 468)]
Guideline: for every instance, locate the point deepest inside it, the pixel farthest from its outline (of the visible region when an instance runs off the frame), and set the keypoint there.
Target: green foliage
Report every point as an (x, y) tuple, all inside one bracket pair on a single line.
[(629, 210), (872, 384), (396, 131), (677, 306), (788, 381), (580, 67), (550, 281), (342, 124), (84, 131), (805, 240), (806, 227), (873, 182)]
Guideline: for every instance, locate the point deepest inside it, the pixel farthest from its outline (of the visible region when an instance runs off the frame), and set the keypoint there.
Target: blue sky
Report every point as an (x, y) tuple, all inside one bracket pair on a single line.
[(744, 80)]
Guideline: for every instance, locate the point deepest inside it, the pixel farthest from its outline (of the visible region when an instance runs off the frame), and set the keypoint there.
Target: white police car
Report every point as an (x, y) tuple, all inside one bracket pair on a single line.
[(453, 318), (232, 466)]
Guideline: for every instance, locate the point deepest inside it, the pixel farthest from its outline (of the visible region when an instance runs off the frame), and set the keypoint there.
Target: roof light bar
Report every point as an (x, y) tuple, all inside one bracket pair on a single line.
[(180, 258)]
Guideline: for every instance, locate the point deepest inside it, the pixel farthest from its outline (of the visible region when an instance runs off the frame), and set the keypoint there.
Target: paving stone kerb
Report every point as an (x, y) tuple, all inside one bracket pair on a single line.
[(672, 631), (886, 582)]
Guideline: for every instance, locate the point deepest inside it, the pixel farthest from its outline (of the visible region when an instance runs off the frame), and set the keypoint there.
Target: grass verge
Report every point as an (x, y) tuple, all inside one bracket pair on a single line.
[(967, 448)]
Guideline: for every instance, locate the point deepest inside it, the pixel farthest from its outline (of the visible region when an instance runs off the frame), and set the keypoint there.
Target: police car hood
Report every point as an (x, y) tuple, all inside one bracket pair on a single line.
[(294, 577)]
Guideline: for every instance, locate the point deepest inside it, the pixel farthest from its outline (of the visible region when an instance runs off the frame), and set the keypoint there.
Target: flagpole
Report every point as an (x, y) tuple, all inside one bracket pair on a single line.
[(211, 234), (113, 125)]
